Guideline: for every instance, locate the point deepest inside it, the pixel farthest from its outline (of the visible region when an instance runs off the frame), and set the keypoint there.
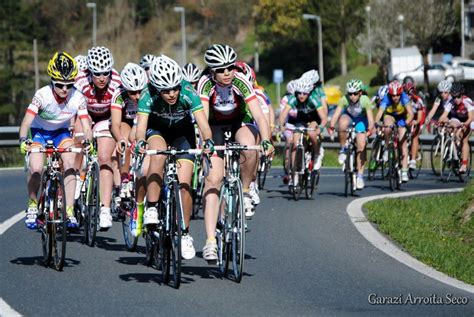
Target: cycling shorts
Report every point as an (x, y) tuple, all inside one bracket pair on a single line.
[(219, 130), (181, 139), (361, 123), (399, 119), (305, 117), (40, 136)]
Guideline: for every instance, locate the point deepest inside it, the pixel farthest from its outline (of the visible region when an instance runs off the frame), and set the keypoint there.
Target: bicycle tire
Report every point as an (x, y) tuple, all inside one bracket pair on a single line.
[(435, 155), (447, 163), (130, 240), (223, 246), (93, 204), (348, 186), (297, 177), (238, 231), (59, 223), (287, 158), (392, 172), (43, 212), (176, 234), (197, 197), (419, 164), (310, 182), (373, 160)]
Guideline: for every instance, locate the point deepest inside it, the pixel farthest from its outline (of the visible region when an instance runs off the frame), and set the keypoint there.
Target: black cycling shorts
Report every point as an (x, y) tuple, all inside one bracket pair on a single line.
[(182, 138)]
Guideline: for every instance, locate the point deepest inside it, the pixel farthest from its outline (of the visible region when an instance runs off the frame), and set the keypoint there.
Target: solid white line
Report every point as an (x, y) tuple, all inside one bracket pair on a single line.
[(11, 168), (4, 226), (357, 216), (6, 310)]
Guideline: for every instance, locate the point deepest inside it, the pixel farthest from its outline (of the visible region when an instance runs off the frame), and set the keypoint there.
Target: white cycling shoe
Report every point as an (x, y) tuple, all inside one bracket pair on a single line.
[(105, 219), (150, 216)]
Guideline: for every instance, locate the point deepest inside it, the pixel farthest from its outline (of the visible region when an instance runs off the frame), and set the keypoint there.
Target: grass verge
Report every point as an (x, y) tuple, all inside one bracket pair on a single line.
[(11, 157), (431, 229)]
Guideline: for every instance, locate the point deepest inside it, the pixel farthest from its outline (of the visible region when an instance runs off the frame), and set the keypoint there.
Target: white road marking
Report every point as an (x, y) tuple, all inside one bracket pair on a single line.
[(357, 216), (4, 226), (6, 310)]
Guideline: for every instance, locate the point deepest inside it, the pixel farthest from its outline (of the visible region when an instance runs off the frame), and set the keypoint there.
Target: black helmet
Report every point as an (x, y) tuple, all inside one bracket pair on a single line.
[(457, 90)]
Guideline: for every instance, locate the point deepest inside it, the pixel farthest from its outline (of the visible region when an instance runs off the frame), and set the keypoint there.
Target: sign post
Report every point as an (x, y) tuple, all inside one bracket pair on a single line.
[(278, 79)]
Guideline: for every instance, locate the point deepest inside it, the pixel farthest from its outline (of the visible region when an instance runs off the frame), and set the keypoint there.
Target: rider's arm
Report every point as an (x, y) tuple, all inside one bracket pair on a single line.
[(409, 109), (26, 124), (337, 114), (284, 115), (259, 118), (142, 124), (444, 116), (379, 114), (203, 125), (116, 120), (433, 110), (323, 114)]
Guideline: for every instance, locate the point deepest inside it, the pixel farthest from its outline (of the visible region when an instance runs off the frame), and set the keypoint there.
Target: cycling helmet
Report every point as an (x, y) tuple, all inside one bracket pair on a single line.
[(457, 90), (395, 88), (146, 60), (165, 73), (245, 69), (81, 61), (62, 67), (383, 90), (409, 88), (303, 85), (312, 75), (99, 59), (191, 72), (290, 87), (219, 56), (133, 77), (354, 85), (445, 86)]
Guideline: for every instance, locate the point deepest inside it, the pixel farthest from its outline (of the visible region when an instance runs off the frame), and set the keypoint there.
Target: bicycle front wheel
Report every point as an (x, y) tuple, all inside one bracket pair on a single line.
[(176, 233), (43, 215), (238, 231), (59, 223), (93, 204), (223, 230), (374, 158), (392, 169), (447, 162), (419, 163), (130, 240), (436, 158)]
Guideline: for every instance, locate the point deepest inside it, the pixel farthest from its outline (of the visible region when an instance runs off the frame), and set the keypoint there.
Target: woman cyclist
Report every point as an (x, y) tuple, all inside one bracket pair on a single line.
[(444, 88), (164, 119), (419, 115), (231, 105), (354, 108), (191, 74), (145, 63), (49, 116)]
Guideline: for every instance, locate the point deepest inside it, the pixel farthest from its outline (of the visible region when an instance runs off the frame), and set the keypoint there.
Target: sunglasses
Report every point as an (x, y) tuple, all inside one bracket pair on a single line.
[(167, 91), (98, 74), (353, 93), (134, 92), (457, 96), (395, 95), (222, 70), (62, 85), (301, 93)]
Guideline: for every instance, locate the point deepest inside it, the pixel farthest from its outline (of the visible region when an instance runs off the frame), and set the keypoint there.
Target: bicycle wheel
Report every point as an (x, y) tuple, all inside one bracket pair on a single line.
[(348, 178), (286, 158), (238, 231), (130, 240), (59, 223), (197, 198), (43, 214), (93, 204), (436, 159), (311, 180), (374, 156), (392, 170), (176, 227), (296, 169), (222, 232), (419, 163), (447, 162), (263, 169)]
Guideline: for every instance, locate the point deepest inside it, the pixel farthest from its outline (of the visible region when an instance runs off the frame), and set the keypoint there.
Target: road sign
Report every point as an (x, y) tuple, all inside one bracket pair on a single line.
[(278, 76)]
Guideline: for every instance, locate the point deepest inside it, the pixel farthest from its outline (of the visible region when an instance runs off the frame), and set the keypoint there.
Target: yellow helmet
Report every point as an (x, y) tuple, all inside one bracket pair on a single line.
[(62, 67)]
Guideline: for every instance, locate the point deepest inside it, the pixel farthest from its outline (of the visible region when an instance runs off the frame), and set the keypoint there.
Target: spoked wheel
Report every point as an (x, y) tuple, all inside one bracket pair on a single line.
[(419, 164), (198, 190), (312, 179), (130, 240), (175, 238), (392, 170), (223, 246), (263, 169), (374, 158), (286, 158), (447, 162), (43, 214), (349, 174), (93, 205), (463, 176), (436, 158), (152, 246), (238, 232), (58, 223), (296, 189)]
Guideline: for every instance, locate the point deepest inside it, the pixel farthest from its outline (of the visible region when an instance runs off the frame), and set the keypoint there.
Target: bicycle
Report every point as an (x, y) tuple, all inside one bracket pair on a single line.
[(197, 186), (52, 217), (350, 164), (437, 144), (265, 164), (376, 156), (302, 173), (413, 173), (163, 240), (231, 223), (394, 159), (452, 157)]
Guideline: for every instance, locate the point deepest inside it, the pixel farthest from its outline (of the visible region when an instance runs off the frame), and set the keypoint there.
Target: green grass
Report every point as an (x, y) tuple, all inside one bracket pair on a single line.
[(11, 157), (430, 229), (365, 73)]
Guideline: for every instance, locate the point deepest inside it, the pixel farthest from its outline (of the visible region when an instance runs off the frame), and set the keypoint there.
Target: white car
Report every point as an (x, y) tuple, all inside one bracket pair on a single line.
[(436, 72), (466, 65)]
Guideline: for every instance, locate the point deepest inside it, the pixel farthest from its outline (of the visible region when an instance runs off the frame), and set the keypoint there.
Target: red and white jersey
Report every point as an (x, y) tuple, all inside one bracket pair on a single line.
[(417, 104), (262, 100), (98, 102), (53, 113), (461, 111)]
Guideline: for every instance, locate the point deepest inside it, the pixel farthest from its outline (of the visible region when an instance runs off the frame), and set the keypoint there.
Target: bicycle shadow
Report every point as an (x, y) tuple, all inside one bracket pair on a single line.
[(38, 260)]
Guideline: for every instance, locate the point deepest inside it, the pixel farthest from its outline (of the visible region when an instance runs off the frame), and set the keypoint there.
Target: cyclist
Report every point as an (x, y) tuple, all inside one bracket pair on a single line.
[(381, 93), (419, 114), (191, 74), (49, 116), (231, 104), (396, 108), (98, 85), (444, 88), (354, 108), (123, 113), (288, 131), (460, 114), (81, 61), (164, 118), (310, 112), (145, 62)]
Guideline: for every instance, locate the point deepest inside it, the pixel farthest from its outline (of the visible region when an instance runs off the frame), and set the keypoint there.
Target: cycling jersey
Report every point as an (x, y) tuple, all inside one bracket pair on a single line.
[(161, 114), (461, 111), (398, 109), (54, 113), (318, 94), (263, 100), (121, 101), (358, 109), (98, 102), (306, 111), (227, 103)]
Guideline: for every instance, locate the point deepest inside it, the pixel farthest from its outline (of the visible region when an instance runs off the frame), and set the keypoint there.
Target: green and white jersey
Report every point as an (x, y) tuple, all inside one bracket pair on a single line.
[(358, 109)]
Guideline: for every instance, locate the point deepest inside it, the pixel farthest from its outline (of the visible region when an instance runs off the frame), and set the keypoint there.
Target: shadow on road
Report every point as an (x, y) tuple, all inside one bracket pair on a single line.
[(38, 260)]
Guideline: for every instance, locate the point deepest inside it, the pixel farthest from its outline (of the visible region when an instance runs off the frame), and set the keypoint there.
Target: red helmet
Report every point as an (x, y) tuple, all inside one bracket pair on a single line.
[(246, 70), (409, 88), (395, 88)]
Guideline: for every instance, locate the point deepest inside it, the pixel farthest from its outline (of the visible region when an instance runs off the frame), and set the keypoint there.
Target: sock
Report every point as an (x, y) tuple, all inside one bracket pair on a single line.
[(70, 211), (140, 210), (211, 240), (32, 203)]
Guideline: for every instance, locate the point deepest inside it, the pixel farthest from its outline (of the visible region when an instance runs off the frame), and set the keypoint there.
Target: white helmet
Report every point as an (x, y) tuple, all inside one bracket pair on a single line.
[(133, 77), (191, 72), (165, 73), (290, 87), (81, 61), (146, 60), (312, 75), (303, 85), (99, 59), (219, 56), (445, 86)]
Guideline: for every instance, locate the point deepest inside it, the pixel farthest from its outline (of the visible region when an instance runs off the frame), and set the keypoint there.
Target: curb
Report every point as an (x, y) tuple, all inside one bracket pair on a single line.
[(368, 231)]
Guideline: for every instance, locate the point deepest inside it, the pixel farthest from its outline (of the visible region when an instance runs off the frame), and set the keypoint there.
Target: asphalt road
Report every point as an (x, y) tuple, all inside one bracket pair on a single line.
[(302, 258)]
